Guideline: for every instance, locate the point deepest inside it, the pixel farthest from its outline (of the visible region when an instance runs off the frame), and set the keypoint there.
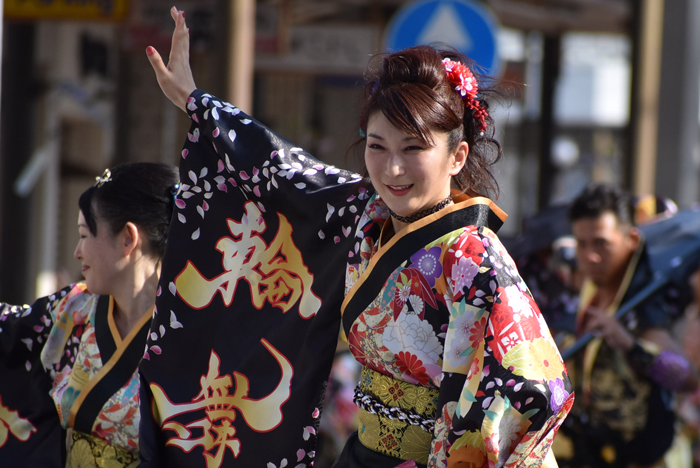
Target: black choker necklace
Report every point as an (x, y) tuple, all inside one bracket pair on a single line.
[(423, 213)]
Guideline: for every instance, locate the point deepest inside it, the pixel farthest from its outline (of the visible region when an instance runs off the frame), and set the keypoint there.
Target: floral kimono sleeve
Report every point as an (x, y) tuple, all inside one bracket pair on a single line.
[(30, 431), (23, 329), (505, 390), (250, 292), (262, 165)]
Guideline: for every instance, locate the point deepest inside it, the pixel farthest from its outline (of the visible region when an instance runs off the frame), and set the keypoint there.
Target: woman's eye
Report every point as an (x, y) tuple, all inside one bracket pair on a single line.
[(414, 148), (375, 146)]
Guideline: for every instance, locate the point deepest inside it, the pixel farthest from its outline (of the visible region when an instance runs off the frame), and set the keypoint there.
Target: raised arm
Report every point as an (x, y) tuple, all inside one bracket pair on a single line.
[(175, 79)]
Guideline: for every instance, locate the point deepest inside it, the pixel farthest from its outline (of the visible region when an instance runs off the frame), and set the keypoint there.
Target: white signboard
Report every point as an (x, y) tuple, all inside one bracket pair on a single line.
[(344, 49)]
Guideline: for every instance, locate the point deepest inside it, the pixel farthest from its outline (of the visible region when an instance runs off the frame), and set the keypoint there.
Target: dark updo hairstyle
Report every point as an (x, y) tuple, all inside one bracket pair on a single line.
[(142, 193), (598, 199), (411, 88)]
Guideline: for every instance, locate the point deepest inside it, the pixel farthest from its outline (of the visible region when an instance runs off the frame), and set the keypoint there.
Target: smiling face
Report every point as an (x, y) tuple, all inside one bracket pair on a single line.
[(410, 175), (102, 259)]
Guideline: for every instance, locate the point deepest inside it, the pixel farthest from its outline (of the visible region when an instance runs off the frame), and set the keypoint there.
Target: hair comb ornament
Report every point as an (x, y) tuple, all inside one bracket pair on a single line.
[(174, 190), (466, 85), (104, 178)]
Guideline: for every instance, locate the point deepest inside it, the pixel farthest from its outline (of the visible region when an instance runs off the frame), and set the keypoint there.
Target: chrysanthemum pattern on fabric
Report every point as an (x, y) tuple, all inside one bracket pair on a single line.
[(457, 316)]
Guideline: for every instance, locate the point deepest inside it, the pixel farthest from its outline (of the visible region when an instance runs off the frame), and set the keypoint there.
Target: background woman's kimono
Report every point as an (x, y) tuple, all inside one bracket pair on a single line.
[(84, 378), (264, 244)]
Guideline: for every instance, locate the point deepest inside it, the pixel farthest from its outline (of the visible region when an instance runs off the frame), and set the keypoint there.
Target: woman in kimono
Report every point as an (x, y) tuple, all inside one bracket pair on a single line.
[(69, 362), (459, 366)]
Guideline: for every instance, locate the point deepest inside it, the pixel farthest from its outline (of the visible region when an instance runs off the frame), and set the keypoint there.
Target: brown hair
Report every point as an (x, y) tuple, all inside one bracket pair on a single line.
[(410, 87)]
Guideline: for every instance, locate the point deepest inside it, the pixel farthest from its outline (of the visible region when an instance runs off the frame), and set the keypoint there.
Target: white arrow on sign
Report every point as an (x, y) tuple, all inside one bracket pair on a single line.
[(445, 26)]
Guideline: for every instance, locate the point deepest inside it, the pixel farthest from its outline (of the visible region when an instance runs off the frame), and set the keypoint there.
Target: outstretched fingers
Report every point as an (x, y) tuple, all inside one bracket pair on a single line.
[(175, 78)]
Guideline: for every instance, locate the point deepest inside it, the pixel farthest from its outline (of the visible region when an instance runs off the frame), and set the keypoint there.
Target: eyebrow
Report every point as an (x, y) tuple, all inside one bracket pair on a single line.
[(408, 138)]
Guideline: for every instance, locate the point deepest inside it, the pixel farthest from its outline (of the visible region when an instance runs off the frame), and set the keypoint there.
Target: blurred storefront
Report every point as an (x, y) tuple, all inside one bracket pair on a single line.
[(78, 95)]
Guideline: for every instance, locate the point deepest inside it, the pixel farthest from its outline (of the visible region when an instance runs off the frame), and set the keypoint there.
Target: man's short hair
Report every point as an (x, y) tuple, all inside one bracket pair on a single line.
[(597, 199)]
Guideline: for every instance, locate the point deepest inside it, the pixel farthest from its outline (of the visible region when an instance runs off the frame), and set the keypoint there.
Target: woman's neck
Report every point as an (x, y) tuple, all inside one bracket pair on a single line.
[(134, 300)]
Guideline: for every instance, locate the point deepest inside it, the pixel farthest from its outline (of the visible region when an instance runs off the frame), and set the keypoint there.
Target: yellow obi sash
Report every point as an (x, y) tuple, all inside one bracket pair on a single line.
[(88, 451), (386, 407)]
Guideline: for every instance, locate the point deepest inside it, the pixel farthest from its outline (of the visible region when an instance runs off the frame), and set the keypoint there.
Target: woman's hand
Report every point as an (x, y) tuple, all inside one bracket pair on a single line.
[(176, 79)]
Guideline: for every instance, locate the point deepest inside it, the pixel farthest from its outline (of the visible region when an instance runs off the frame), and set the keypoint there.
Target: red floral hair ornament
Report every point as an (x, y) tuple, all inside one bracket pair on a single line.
[(465, 84)]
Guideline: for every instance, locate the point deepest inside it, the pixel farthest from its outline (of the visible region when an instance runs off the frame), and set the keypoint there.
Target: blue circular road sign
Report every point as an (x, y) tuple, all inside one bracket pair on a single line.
[(467, 25)]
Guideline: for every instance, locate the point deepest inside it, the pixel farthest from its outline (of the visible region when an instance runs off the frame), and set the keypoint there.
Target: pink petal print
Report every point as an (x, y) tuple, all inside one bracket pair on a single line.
[(203, 172), (215, 114), (336, 239), (156, 350), (232, 135), (256, 191), (301, 453), (321, 235), (154, 336), (193, 177), (146, 355), (200, 210), (185, 152), (180, 203), (222, 187), (262, 208), (206, 114), (316, 413), (160, 290), (195, 118), (216, 132), (173, 321), (244, 175), (207, 186), (194, 136), (195, 234), (205, 205), (308, 430), (232, 181), (172, 288), (246, 121), (220, 166), (161, 330), (346, 231), (205, 101)]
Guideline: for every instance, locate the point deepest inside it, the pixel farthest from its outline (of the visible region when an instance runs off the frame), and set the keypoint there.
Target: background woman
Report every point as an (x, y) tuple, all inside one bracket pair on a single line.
[(459, 366), (79, 348)]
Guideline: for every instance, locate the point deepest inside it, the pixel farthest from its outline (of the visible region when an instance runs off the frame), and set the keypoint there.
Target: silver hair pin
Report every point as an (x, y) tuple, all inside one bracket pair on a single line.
[(104, 178)]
